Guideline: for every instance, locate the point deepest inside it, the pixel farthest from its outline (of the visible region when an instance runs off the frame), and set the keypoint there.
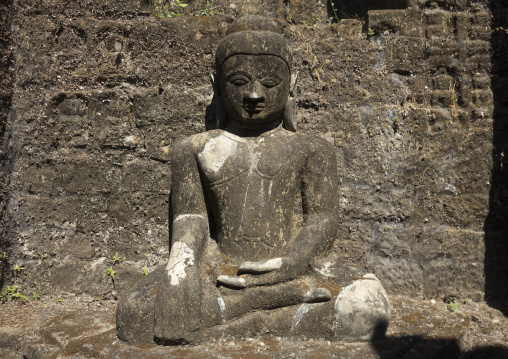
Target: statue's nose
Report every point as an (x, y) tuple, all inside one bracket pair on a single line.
[(255, 92)]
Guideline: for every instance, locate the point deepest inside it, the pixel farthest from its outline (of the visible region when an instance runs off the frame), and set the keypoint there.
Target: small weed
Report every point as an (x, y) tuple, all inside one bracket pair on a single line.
[(317, 18), (18, 268), (172, 9), (370, 32), (112, 272), (11, 293), (335, 17), (207, 10), (5, 257), (36, 296), (452, 306), (59, 299), (116, 258), (145, 270)]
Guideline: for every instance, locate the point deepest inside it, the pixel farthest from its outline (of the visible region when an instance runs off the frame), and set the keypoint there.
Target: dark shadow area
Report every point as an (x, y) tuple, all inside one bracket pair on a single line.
[(496, 224), (345, 9), (6, 91), (415, 346)]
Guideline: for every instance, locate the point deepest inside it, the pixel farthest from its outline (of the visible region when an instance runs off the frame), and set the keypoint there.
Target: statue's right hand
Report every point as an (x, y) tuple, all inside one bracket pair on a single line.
[(250, 274), (261, 267)]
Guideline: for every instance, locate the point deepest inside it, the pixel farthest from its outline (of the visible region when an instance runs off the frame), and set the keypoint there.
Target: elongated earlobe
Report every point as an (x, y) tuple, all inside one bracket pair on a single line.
[(289, 120), (216, 116)]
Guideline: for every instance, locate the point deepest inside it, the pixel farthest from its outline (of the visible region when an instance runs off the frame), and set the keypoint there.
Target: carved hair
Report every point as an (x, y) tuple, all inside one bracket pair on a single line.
[(254, 35)]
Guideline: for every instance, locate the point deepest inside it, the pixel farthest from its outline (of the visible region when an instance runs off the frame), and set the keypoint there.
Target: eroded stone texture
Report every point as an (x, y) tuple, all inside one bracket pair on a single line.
[(237, 265)]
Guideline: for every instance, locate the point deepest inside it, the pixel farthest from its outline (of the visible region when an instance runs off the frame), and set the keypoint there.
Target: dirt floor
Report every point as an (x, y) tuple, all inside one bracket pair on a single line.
[(487, 336)]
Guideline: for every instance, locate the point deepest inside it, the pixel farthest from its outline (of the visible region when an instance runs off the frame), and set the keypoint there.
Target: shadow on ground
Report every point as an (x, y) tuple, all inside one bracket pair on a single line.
[(416, 346)]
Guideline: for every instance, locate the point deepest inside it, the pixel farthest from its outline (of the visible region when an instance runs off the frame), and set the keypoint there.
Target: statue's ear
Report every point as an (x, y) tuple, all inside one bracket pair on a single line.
[(216, 118), (289, 121)]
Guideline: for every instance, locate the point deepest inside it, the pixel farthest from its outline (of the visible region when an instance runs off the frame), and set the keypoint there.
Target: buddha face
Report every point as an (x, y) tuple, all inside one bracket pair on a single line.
[(255, 89)]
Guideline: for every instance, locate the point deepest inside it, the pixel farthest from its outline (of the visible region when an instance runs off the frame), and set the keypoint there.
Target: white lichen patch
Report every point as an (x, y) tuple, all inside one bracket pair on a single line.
[(181, 257), (222, 306), (216, 152), (300, 313), (130, 141), (187, 216), (325, 269)]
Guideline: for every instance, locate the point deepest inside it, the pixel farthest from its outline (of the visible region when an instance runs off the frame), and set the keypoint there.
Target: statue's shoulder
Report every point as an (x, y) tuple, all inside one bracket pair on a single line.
[(313, 143), (194, 144)]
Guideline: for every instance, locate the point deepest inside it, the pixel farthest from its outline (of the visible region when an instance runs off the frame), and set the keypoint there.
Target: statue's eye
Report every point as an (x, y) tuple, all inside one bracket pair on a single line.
[(238, 80), (270, 81)]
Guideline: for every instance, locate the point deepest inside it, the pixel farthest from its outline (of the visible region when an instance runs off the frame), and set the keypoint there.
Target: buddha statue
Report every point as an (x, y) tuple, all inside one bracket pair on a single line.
[(238, 265)]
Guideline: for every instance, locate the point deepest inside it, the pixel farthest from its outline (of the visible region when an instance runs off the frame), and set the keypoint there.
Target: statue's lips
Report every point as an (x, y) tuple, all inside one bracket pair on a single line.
[(254, 108)]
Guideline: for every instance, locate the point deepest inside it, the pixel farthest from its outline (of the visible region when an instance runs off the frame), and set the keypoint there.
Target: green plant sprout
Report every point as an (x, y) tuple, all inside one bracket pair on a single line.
[(59, 299), (452, 306), (207, 10), (335, 16), (145, 270), (116, 258), (18, 268), (5, 257), (316, 16), (370, 32), (36, 296), (112, 272), (11, 293), (166, 10)]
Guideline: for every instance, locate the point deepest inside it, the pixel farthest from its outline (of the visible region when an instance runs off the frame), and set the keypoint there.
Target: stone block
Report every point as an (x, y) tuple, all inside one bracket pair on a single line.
[(481, 98), (406, 54), (398, 274), (472, 26), (438, 23), (463, 278), (415, 254), (79, 175), (138, 207), (403, 22), (146, 175), (443, 53)]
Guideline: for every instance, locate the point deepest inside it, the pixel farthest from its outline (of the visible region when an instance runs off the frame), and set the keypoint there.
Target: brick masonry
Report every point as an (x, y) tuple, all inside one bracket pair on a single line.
[(103, 89)]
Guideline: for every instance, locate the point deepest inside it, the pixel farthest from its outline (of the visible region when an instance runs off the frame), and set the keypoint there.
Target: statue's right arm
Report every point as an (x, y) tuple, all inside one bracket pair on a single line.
[(179, 296), (190, 224)]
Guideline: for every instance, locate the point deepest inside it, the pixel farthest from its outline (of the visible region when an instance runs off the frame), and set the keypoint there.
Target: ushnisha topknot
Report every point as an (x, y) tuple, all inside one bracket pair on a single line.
[(254, 35)]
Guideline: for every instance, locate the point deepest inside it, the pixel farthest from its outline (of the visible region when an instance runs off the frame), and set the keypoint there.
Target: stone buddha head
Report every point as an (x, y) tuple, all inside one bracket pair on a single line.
[(254, 83)]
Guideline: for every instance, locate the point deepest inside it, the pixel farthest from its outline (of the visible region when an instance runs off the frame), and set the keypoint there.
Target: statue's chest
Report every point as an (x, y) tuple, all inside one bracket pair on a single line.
[(223, 158)]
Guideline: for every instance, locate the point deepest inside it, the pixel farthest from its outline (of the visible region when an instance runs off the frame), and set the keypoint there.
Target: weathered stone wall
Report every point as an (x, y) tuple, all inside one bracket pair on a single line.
[(103, 89)]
